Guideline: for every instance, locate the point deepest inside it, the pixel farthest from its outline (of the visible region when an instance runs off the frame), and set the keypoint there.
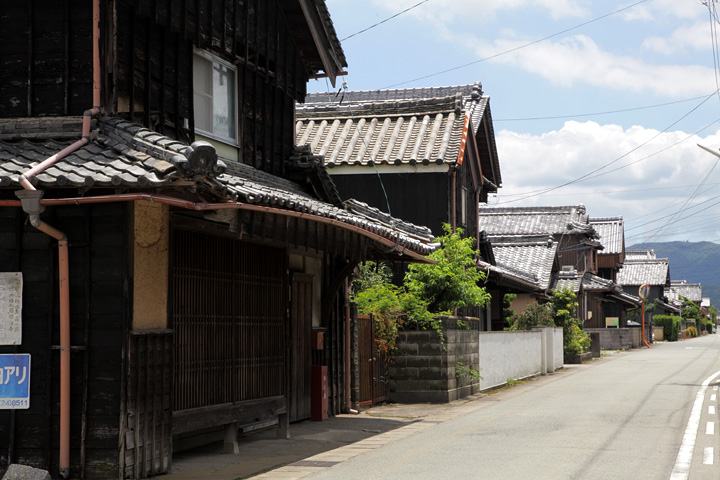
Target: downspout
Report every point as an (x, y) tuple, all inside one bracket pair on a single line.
[(30, 199), (453, 200), (348, 406)]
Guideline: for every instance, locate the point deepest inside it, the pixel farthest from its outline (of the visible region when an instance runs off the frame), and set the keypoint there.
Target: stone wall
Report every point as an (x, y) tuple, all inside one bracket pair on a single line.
[(427, 370)]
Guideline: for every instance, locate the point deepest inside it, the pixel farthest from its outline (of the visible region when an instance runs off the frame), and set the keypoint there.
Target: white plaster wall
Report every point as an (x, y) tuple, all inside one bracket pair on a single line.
[(558, 348), (509, 355)]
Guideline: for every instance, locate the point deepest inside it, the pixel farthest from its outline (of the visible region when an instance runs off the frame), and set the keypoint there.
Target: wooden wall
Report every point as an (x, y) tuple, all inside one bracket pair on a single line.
[(45, 57), (98, 308), (419, 198), (152, 79)]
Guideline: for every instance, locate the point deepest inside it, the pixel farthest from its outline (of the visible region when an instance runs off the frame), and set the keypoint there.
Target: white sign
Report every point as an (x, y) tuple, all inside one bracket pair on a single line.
[(11, 308)]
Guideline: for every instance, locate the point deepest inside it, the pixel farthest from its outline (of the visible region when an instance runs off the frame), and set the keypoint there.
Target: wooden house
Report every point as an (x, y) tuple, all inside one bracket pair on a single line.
[(426, 155), (182, 264), (611, 231), (642, 267), (570, 259)]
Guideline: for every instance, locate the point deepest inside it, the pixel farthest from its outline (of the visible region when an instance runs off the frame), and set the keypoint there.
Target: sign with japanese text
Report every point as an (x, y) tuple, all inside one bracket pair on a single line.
[(15, 381), (11, 308)]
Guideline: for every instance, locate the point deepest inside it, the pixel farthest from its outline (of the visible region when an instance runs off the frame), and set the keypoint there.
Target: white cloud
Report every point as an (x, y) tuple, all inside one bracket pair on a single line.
[(666, 10), (694, 36), (579, 59), (657, 185)]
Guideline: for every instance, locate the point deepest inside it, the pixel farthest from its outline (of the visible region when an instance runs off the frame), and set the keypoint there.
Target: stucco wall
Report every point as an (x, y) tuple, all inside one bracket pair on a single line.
[(520, 302), (151, 233), (508, 355)]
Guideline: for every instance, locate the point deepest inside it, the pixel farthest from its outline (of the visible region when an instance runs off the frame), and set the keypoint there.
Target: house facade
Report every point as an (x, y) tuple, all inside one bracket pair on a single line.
[(642, 267), (183, 266)]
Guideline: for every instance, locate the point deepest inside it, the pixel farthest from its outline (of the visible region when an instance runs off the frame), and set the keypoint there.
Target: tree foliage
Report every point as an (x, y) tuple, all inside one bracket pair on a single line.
[(452, 283), (428, 290), (558, 312)]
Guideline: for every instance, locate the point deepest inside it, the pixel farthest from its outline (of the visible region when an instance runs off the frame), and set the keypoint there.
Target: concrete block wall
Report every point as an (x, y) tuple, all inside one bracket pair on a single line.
[(425, 370), (618, 338)]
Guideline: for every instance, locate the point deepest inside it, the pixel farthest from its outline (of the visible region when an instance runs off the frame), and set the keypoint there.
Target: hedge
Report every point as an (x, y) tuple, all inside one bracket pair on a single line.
[(670, 324)]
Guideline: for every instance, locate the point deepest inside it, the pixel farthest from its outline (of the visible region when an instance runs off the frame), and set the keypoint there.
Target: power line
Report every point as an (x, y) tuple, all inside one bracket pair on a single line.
[(633, 109), (383, 21), (519, 47), (590, 175), (612, 192)]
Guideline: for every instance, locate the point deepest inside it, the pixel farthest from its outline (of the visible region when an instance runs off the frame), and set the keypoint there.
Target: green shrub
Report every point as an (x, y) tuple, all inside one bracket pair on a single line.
[(670, 324), (576, 341), (534, 315), (692, 331)]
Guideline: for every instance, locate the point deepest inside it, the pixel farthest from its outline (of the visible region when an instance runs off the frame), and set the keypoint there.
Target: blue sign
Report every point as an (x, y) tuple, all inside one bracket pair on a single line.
[(15, 381)]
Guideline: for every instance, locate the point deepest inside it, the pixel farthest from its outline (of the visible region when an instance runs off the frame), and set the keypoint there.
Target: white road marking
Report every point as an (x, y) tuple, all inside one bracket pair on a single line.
[(708, 456), (711, 409), (681, 470), (713, 397), (710, 428)]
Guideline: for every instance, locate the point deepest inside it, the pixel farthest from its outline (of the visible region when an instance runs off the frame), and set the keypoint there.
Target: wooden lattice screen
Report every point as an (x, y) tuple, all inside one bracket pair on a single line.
[(228, 310)]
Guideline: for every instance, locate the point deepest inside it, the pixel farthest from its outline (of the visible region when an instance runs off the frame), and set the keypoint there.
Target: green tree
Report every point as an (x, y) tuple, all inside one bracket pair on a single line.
[(428, 290), (452, 283)]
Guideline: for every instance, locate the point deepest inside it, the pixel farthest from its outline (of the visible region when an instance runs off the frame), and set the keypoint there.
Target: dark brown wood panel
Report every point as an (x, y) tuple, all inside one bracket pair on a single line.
[(301, 355), (228, 310)]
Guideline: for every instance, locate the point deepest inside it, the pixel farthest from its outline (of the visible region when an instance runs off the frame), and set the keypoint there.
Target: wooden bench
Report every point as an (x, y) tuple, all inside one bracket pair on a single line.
[(235, 417)]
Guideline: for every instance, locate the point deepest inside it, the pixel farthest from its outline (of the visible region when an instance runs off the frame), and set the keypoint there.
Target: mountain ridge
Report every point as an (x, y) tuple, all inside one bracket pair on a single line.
[(695, 262)]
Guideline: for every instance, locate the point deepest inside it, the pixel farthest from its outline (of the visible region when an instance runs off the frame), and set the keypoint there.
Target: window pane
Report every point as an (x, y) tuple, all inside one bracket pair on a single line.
[(224, 101), (203, 112)]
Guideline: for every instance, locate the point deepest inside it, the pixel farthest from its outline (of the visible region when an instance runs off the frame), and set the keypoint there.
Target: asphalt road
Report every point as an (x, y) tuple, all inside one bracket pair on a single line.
[(622, 417)]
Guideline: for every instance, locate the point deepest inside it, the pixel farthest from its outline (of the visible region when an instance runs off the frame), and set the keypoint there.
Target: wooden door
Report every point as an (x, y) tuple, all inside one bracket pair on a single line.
[(301, 354)]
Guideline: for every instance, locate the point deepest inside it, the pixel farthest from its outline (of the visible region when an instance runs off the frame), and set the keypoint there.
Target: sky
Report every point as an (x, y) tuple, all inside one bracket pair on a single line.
[(599, 103)]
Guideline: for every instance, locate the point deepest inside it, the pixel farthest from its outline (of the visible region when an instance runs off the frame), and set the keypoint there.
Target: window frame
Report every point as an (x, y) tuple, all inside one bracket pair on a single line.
[(235, 142)]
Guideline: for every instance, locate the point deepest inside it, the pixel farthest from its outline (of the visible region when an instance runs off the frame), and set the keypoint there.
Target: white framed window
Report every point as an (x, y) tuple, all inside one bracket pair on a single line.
[(215, 97)]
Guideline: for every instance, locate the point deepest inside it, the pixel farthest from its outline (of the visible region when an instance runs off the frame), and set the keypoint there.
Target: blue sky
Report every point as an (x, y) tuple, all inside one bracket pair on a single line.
[(547, 97)]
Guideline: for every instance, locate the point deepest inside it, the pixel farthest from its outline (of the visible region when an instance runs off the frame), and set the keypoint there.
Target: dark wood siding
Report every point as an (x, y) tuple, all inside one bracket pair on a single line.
[(228, 309), (45, 57), (153, 79), (419, 198), (301, 359), (98, 308)]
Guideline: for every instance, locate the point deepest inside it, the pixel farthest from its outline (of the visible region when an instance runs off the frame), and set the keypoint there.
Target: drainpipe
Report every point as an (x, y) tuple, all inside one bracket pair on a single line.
[(30, 200), (348, 399), (453, 200)]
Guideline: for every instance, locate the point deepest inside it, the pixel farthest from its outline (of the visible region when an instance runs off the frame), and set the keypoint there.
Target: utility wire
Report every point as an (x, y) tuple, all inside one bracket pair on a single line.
[(383, 21), (609, 112), (519, 47), (590, 175)]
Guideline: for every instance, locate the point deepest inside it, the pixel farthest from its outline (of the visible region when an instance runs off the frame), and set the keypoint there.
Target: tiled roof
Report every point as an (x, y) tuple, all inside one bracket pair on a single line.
[(397, 133), (418, 126), (534, 220), (691, 291), (533, 255), (612, 233), (653, 272), (639, 254), (591, 283), (126, 155)]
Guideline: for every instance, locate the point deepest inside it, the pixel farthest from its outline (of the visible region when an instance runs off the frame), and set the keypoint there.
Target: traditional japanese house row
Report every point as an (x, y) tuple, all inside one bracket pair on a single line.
[(576, 255), (182, 263)]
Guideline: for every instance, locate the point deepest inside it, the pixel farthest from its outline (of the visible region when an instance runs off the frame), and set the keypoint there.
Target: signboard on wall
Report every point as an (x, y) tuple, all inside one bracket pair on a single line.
[(11, 284), (15, 381), (612, 322)]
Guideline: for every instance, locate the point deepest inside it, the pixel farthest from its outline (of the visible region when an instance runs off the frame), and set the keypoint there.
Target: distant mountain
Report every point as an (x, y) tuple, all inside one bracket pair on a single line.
[(696, 262)]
